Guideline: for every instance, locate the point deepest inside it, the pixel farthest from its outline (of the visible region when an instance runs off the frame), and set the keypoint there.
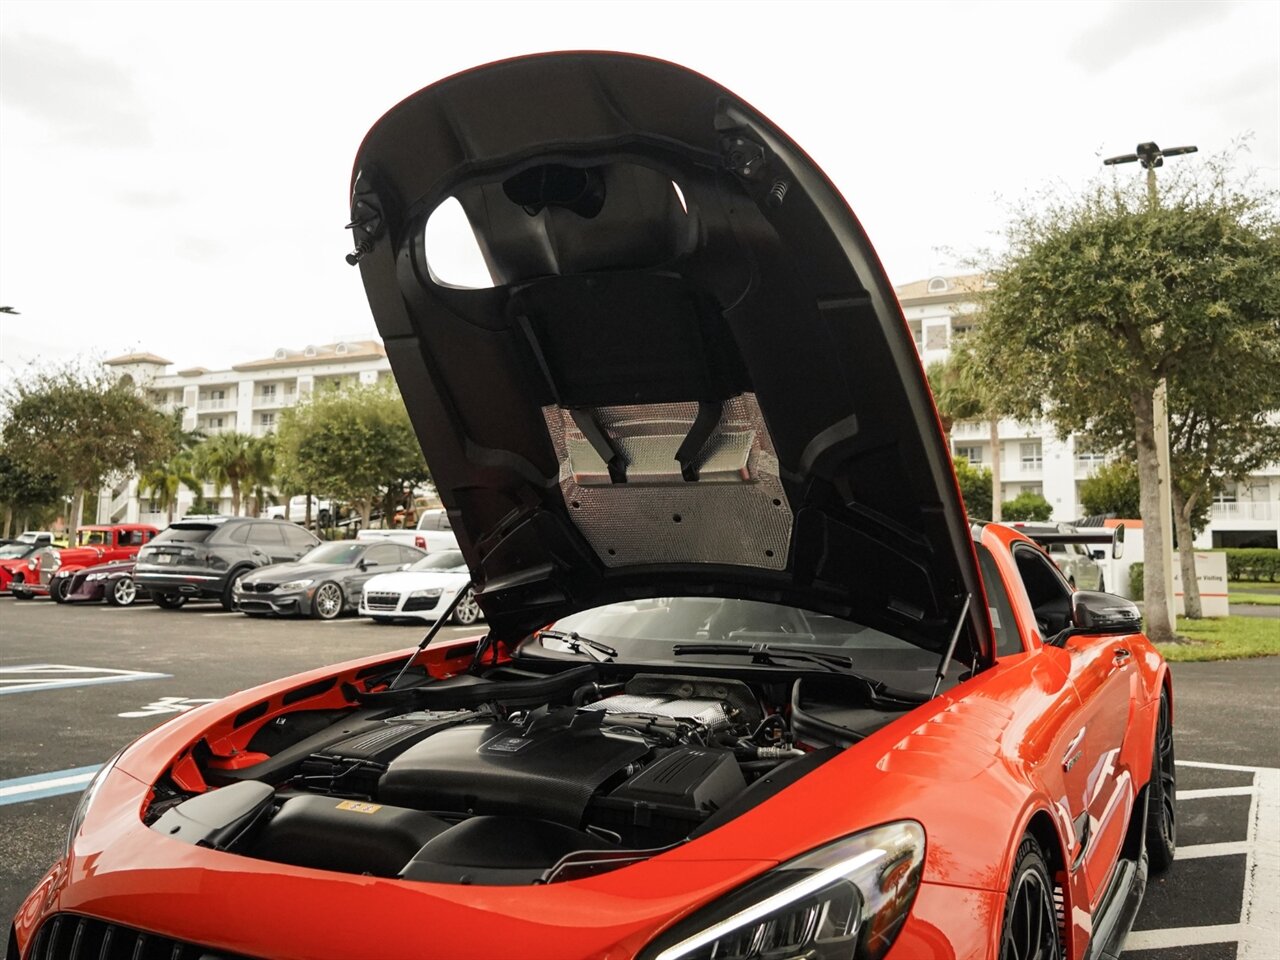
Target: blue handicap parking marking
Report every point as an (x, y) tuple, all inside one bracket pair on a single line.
[(42, 785), (36, 677)]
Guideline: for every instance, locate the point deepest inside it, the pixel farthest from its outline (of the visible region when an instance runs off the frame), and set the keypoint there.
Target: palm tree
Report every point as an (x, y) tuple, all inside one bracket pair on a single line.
[(226, 460), (262, 470), (961, 391), (162, 481)]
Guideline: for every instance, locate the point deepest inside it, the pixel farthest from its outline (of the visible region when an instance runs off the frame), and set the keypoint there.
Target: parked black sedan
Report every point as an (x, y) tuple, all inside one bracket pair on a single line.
[(323, 583)]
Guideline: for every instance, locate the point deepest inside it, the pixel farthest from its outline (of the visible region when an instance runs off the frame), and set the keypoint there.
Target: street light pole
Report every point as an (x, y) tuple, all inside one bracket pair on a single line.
[(1151, 156)]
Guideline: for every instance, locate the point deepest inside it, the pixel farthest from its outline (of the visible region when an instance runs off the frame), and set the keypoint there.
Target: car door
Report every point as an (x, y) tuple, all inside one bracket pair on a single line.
[(268, 538), (380, 558), (298, 540), (1100, 668)]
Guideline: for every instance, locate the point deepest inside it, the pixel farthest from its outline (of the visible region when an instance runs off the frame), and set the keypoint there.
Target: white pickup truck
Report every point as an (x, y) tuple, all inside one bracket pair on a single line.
[(432, 533)]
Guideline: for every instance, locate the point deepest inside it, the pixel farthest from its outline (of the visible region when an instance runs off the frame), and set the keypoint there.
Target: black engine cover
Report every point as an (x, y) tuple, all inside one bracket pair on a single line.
[(548, 771)]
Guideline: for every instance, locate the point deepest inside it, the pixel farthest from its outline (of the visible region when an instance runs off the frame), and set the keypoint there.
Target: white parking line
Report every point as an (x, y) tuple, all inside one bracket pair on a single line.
[(1257, 934), (1217, 792)]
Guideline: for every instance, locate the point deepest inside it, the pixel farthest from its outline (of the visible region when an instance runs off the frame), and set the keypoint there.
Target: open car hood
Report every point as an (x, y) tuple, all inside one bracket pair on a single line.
[(690, 376)]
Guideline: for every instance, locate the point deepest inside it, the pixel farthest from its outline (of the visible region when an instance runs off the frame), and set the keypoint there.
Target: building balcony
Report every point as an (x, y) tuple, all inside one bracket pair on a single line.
[(1262, 510), (274, 401), (264, 429), (225, 403)]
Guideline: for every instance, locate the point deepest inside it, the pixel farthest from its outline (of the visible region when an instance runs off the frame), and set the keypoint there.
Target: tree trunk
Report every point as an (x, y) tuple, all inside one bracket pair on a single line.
[(996, 493), (308, 513), (77, 511), (1155, 602), (235, 499), (1182, 507), (366, 512), (172, 503), (8, 522)]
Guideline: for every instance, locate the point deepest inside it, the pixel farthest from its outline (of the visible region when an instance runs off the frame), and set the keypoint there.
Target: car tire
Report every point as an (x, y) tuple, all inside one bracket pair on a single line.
[(1162, 793), (327, 602), (323, 518), (228, 599), (1030, 916), (169, 601), (60, 589), (467, 611), (123, 592), (18, 589)]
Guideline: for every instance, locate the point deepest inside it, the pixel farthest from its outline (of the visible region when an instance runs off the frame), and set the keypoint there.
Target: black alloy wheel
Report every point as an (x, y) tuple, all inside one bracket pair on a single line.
[(467, 611), (123, 592), (327, 603), (169, 601), (1030, 918), (60, 589), (1162, 792), (229, 591)]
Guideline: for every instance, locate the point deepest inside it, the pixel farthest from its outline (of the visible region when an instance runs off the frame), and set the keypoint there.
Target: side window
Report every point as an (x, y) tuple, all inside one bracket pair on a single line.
[(131, 538), (1046, 589), (265, 534), (1007, 638), (384, 555), (240, 533), (409, 556), (298, 538)]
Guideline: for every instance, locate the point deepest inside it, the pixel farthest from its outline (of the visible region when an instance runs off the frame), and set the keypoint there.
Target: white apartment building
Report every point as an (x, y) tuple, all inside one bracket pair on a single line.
[(248, 398), (940, 310)]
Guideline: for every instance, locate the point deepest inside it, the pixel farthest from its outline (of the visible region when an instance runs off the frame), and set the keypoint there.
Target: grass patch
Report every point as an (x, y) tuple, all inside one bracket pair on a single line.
[(1253, 599), (1227, 638)]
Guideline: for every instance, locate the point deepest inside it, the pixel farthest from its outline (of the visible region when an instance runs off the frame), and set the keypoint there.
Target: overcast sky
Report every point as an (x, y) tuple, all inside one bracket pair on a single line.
[(173, 176)]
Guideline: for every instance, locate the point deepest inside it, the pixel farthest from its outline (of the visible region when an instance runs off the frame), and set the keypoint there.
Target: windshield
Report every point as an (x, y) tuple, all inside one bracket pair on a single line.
[(341, 553), (450, 560), (16, 551), (93, 538)]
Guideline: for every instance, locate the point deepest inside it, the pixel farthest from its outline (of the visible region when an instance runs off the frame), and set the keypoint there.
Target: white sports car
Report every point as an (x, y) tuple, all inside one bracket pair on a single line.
[(422, 592)]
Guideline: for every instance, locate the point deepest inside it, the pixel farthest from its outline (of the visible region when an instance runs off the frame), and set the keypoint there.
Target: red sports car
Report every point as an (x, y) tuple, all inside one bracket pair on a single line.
[(752, 686), (23, 564)]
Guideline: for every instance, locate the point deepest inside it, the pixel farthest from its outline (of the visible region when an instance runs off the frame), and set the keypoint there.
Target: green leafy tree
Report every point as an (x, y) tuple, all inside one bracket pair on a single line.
[(1112, 489), (82, 427), (25, 492), (1028, 506), (354, 445), (1099, 297), (975, 488), (163, 480)]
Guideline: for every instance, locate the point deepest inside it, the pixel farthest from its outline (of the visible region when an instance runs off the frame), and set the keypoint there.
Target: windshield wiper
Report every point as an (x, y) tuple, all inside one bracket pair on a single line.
[(763, 653), (576, 643)]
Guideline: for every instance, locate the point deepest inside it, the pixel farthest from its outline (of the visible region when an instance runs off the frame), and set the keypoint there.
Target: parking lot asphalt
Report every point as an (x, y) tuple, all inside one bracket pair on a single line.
[(79, 682)]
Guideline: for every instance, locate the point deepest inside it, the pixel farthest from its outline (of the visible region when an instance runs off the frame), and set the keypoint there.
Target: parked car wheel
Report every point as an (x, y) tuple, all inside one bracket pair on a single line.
[(467, 612), (169, 601), (1030, 918), (18, 589), (327, 602), (123, 593), (229, 591), (1162, 822), (60, 589)]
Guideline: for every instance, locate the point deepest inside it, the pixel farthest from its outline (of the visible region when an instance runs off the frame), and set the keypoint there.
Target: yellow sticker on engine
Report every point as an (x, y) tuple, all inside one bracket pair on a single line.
[(357, 807)]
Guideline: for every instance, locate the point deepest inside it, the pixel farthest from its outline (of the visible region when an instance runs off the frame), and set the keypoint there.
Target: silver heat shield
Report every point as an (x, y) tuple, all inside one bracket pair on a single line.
[(735, 512), (705, 713)]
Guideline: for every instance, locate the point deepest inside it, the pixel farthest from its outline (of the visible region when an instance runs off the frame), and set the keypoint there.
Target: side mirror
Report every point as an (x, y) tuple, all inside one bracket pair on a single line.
[(1117, 542), (1103, 613)]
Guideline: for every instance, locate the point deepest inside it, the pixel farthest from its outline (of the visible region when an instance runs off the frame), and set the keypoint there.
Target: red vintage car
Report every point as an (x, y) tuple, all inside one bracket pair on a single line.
[(23, 563), (752, 686), (94, 545)]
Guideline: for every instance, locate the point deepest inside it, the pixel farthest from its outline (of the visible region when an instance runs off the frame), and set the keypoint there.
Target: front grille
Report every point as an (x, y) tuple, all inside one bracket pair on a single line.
[(66, 936), (381, 601), (255, 606), (259, 587)]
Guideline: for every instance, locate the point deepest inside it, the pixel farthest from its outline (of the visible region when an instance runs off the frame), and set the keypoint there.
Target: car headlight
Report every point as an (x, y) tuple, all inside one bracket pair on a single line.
[(86, 801), (425, 594), (296, 585), (844, 901)]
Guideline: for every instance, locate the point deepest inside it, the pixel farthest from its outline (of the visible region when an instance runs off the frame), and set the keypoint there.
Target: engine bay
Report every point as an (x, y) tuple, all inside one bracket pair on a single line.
[(516, 776)]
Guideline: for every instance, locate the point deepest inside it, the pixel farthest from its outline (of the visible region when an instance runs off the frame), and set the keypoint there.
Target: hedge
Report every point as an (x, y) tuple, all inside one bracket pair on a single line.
[(1243, 563)]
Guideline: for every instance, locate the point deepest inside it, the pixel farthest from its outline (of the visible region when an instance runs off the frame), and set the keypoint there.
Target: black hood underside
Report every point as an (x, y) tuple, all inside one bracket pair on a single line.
[(690, 375)]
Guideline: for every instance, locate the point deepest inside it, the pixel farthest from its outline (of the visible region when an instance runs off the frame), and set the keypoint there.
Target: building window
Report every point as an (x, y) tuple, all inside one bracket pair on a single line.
[(1031, 455), (217, 394), (1090, 458), (972, 454), (1226, 494), (268, 420), (268, 391), (938, 285)]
